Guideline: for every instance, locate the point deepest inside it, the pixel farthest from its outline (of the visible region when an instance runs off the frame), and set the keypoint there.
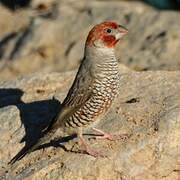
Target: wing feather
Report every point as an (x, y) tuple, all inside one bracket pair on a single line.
[(80, 92)]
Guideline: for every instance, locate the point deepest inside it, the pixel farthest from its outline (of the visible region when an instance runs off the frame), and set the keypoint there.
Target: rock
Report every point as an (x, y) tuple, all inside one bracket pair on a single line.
[(147, 108), (52, 34)]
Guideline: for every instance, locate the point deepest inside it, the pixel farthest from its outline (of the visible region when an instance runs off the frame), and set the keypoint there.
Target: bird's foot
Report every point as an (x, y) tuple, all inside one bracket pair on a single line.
[(86, 149), (108, 136), (94, 153)]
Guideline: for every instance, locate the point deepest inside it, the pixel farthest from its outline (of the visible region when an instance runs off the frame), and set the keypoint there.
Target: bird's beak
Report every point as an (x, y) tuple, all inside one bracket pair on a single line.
[(122, 31)]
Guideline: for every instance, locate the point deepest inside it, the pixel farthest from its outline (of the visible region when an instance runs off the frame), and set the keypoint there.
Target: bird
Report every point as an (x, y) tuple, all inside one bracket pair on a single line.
[(94, 88)]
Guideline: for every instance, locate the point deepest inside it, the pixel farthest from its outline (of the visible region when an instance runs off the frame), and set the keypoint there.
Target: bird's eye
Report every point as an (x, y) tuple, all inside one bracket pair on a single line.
[(108, 31)]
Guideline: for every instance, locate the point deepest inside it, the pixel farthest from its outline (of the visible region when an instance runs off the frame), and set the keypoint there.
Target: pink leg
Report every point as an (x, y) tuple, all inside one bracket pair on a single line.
[(108, 136), (88, 150)]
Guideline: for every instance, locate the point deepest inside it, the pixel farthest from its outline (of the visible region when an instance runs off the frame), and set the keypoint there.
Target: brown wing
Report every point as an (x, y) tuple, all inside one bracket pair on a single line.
[(81, 90), (79, 93)]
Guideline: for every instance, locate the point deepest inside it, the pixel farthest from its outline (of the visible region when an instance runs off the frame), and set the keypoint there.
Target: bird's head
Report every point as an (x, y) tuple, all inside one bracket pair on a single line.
[(105, 35)]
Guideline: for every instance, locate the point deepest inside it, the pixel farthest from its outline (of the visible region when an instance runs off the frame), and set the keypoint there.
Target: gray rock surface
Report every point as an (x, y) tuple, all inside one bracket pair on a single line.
[(50, 35), (148, 108)]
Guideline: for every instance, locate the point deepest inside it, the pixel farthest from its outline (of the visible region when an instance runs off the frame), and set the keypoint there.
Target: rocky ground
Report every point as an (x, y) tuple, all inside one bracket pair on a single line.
[(41, 45), (49, 35), (147, 108)]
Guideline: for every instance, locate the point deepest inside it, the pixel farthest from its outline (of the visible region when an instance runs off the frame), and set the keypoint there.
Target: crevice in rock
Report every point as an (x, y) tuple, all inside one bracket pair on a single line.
[(4, 42), (22, 41), (133, 100), (69, 48)]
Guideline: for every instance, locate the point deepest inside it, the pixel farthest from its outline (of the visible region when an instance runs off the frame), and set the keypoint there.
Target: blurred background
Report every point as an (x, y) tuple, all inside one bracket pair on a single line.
[(49, 35)]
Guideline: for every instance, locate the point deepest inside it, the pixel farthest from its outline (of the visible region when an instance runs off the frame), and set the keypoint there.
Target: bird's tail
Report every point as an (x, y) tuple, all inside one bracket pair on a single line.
[(31, 147)]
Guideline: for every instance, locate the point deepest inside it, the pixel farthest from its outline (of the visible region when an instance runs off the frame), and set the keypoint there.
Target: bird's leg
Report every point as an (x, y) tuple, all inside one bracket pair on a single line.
[(108, 136), (86, 148)]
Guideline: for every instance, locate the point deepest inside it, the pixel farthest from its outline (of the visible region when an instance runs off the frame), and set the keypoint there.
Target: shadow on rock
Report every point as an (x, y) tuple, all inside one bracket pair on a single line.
[(14, 4), (35, 116)]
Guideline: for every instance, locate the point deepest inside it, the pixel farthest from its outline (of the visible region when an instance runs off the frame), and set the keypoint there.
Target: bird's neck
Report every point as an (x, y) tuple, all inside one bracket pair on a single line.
[(101, 59)]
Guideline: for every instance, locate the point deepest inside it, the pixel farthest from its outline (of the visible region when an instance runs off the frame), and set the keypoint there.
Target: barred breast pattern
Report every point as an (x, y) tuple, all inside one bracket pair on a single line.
[(104, 91)]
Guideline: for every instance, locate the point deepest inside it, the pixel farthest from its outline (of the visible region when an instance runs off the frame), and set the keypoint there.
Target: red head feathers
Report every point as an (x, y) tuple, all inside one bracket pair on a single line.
[(108, 33)]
